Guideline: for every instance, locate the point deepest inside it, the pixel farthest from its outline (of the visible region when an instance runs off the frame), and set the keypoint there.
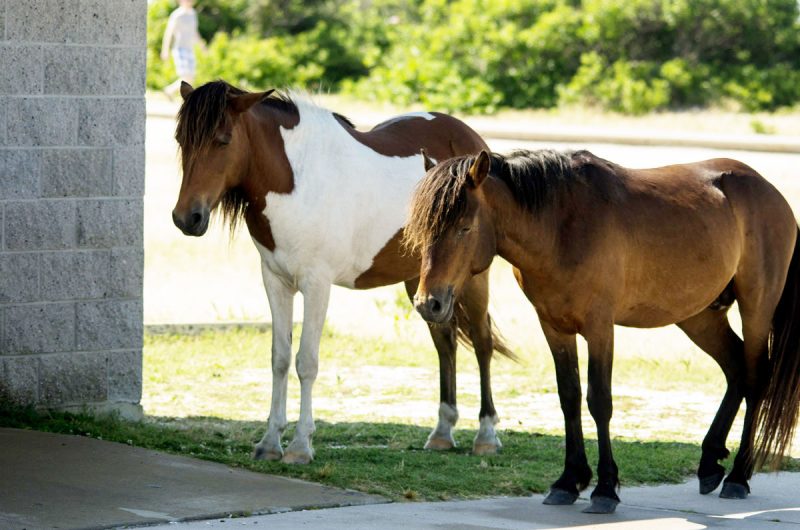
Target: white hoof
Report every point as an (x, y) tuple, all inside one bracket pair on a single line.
[(440, 443), (486, 441)]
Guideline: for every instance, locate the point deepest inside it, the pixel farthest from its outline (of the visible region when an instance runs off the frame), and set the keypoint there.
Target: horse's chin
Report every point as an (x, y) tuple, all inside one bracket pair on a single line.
[(196, 231)]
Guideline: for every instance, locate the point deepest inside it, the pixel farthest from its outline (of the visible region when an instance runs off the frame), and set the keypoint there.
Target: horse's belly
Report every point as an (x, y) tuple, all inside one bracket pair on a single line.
[(678, 296)]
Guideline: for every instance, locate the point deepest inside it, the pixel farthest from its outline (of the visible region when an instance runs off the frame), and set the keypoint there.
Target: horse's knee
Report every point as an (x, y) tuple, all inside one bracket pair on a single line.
[(280, 363), (307, 367), (600, 405)]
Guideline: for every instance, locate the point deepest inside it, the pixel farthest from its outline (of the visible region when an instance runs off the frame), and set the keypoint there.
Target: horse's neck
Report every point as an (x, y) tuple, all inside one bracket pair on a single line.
[(268, 169), (524, 239)]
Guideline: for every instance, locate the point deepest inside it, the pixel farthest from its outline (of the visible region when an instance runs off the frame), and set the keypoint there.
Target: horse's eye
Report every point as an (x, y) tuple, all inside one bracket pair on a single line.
[(223, 139), (464, 230)]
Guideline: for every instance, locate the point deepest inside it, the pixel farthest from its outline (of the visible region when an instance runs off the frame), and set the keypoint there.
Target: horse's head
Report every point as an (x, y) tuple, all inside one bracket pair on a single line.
[(214, 149), (450, 226)]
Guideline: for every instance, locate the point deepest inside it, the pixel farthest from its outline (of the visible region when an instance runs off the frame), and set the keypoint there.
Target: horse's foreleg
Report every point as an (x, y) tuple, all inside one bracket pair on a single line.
[(444, 338), (475, 301), (577, 473), (711, 331), (315, 306), (281, 297), (601, 356)]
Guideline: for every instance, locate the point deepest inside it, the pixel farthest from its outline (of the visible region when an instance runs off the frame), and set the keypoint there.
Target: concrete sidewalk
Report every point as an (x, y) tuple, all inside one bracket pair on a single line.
[(70, 482), (57, 481), (774, 504)]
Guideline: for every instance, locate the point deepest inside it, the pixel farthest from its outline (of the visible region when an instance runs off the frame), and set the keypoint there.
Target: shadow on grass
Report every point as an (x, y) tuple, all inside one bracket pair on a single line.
[(380, 458)]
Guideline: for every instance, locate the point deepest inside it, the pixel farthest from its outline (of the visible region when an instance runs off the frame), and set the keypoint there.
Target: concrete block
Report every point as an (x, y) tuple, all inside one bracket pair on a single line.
[(19, 174), (125, 376), (127, 272), (39, 328), (42, 20), (3, 120), (19, 277), (113, 22), (41, 121), (19, 380), (2, 20), (40, 225), (75, 275), (129, 172), (73, 378), (109, 325), (111, 122), (22, 69), (76, 70), (89, 70), (127, 70), (110, 223), (77, 173)]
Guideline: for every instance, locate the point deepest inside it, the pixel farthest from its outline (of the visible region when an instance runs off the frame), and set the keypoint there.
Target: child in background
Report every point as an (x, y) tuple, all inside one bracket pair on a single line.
[(182, 35)]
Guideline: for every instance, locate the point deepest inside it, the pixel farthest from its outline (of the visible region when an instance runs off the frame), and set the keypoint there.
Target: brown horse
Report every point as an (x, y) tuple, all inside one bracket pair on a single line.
[(325, 204), (594, 244)]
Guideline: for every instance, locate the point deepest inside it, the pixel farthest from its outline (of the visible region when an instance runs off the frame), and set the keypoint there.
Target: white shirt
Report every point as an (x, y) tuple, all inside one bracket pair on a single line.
[(184, 26)]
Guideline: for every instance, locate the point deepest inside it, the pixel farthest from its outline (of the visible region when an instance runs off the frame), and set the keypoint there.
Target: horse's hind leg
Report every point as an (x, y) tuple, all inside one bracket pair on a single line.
[(444, 338), (711, 331), (756, 325), (475, 301)]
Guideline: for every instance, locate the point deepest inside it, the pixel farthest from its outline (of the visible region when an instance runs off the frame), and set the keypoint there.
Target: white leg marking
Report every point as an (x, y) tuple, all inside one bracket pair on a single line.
[(280, 297), (486, 441), (442, 436), (315, 305)]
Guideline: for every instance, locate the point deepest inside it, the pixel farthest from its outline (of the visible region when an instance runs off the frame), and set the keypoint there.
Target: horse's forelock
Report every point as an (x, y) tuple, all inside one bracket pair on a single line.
[(201, 114), (439, 201)]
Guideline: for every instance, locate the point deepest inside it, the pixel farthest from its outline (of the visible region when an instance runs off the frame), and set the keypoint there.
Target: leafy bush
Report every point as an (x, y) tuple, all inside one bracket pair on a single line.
[(631, 56)]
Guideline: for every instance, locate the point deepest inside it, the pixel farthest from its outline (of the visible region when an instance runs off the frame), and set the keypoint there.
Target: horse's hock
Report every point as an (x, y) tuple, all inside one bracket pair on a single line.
[(72, 120)]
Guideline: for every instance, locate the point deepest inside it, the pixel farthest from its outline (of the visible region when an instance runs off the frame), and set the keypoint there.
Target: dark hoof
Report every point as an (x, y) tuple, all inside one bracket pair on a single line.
[(558, 497), (732, 490), (602, 504), (710, 483)]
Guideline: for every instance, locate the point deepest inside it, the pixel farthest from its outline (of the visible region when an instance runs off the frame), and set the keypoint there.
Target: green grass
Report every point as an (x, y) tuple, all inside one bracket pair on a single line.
[(379, 458), (385, 459), (206, 395)]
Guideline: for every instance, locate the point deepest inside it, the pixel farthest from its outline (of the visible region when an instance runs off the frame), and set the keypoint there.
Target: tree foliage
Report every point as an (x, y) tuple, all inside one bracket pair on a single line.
[(632, 56)]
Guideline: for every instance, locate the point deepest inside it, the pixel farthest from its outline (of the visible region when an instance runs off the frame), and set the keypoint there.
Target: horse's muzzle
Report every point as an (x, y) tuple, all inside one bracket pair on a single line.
[(437, 306), (193, 223)]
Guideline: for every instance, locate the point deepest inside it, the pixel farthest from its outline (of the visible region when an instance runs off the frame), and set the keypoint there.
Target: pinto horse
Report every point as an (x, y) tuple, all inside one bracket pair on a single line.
[(325, 204), (594, 244)]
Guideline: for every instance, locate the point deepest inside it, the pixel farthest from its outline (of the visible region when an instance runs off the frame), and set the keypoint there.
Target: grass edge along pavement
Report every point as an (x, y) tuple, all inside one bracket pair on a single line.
[(384, 459)]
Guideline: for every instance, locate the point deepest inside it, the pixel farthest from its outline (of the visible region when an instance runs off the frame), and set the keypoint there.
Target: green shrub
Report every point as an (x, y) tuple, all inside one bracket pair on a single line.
[(631, 56)]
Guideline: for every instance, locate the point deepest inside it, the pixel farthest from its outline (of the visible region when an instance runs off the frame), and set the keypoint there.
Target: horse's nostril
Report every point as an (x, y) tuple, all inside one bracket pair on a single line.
[(196, 218), (436, 306)]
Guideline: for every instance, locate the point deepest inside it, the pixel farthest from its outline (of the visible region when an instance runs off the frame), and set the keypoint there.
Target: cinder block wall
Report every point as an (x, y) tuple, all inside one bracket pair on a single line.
[(72, 128)]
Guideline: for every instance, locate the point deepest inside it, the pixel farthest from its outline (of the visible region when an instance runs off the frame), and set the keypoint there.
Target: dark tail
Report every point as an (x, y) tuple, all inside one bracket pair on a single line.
[(780, 406), (464, 326)]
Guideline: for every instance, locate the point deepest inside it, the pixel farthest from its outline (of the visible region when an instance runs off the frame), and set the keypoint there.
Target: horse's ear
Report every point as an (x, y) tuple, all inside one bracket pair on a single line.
[(426, 160), (243, 102), (186, 89), (479, 169)]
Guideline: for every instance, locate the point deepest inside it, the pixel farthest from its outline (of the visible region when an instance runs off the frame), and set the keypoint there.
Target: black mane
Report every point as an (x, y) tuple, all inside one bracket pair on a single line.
[(534, 178)]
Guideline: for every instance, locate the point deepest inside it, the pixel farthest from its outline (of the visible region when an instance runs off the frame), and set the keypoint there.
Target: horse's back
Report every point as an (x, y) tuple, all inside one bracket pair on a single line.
[(442, 135)]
